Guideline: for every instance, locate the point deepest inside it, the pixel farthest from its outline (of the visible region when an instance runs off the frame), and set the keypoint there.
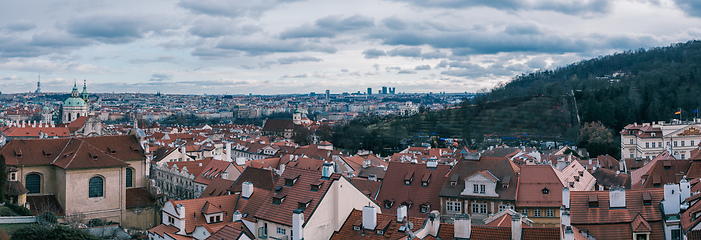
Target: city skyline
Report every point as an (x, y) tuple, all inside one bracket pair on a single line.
[(280, 47)]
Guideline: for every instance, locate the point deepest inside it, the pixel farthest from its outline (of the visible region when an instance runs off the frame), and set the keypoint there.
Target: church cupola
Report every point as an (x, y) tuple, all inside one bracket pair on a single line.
[(75, 93)]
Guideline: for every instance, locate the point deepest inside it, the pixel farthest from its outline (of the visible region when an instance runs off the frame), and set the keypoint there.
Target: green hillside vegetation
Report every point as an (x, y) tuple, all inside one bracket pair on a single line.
[(632, 86)]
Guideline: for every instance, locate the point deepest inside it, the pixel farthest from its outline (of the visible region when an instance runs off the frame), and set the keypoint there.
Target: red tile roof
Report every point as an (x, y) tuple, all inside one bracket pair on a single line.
[(533, 181), (160, 230), (370, 188), (298, 192), (500, 167), (393, 187), (194, 215), (603, 221), (260, 178), (384, 221), (232, 230), (73, 153), (666, 171)]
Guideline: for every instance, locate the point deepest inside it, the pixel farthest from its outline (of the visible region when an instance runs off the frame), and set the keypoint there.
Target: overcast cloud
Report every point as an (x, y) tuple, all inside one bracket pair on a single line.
[(301, 46)]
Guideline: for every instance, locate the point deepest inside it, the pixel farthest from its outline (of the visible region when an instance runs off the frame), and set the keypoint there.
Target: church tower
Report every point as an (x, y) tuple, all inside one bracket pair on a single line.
[(75, 106)]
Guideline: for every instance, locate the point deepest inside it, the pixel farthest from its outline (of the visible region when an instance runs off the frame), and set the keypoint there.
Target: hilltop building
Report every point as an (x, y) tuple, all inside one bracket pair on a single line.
[(647, 140)]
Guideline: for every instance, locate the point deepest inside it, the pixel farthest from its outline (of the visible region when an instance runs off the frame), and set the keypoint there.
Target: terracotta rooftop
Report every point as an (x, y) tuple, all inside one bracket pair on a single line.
[(73, 153), (539, 186), (385, 221), (609, 178), (289, 197), (194, 215), (415, 194), (370, 188), (232, 230), (662, 172), (500, 167), (603, 221), (260, 178)]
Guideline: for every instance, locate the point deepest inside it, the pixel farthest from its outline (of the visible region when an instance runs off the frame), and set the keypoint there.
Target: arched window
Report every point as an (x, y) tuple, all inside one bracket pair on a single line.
[(96, 187), (129, 177), (33, 183)]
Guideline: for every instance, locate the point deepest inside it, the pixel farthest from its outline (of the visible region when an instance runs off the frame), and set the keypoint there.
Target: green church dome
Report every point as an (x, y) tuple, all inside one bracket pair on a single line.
[(75, 102)]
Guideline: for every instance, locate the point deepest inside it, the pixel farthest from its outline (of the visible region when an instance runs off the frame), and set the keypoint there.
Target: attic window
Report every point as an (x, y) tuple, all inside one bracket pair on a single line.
[(93, 156), (581, 173), (453, 183), (278, 200), (425, 180), (408, 178), (593, 201), (571, 184), (424, 208), (545, 191), (278, 188), (576, 178), (505, 183), (316, 186), (47, 153), (667, 165), (110, 150), (408, 203), (389, 203), (647, 199), (304, 203), (358, 225), (18, 153), (291, 181)]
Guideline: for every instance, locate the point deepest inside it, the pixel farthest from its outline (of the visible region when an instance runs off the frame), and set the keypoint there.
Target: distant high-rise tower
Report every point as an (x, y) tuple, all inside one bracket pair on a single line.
[(392, 90), (384, 90), (38, 85), (328, 94), (369, 91)]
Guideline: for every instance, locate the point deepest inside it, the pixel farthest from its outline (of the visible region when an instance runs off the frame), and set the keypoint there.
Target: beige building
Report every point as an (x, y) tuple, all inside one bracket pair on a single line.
[(87, 177), (648, 140)]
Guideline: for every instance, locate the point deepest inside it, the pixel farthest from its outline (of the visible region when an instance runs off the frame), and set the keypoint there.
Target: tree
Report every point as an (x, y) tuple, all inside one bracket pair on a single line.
[(597, 139), (32, 232)]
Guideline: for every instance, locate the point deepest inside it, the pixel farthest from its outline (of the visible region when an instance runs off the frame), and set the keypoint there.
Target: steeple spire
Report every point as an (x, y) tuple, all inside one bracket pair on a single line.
[(85, 95), (75, 92)]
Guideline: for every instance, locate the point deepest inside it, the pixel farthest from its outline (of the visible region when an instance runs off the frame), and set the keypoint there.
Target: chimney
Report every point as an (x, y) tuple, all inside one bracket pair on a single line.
[(564, 217), (183, 152), (327, 170), (516, 227), (297, 222), (569, 234), (236, 216), (228, 153), (617, 197), (240, 161), (684, 188), (401, 213), (246, 189), (463, 226), (566, 197), (432, 164), (369, 217), (181, 210)]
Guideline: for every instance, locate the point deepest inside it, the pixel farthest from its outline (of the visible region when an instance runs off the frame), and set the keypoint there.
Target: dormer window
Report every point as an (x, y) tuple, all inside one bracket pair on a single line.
[(453, 183), (291, 181), (424, 208), (388, 203), (647, 199), (278, 200), (545, 191), (304, 203), (425, 180), (667, 165), (593, 201), (316, 186), (408, 178), (13, 176)]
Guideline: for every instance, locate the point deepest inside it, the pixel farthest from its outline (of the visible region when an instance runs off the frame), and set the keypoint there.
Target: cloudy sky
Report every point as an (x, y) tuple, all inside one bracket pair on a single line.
[(301, 46)]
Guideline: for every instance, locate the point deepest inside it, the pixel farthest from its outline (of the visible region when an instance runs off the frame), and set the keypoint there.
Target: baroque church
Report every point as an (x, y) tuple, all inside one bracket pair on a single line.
[(76, 105)]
